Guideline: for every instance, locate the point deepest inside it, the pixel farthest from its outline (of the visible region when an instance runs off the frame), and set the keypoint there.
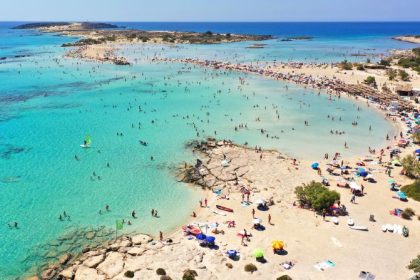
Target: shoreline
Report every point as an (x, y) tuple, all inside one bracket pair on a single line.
[(124, 252)]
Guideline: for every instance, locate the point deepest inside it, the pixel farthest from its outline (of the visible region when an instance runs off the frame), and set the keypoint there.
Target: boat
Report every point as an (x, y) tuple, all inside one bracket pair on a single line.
[(223, 208), (87, 142), (363, 228)]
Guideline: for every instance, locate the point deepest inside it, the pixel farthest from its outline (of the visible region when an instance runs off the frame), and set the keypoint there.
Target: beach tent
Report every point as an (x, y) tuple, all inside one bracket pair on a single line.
[(355, 186), (277, 244), (258, 253), (210, 239), (201, 236), (402, 195)]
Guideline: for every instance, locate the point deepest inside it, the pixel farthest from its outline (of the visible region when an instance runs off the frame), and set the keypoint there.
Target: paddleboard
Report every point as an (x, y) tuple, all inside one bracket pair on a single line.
[(363, 228), (84, 146)]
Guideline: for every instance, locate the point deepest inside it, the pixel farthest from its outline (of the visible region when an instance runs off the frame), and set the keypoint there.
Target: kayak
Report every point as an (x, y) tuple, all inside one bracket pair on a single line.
[(224, 208), (359, 228)]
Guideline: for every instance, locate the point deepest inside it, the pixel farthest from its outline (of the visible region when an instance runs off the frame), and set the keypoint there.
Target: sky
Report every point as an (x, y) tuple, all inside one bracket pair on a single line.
[(210, 10)]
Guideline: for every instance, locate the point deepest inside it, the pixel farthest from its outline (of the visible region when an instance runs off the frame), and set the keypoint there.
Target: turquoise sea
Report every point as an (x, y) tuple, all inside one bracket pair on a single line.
[(48, 104)]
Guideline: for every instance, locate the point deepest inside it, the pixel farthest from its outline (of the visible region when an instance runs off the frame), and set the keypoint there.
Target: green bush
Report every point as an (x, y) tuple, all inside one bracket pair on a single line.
[(284, 277), (370, 80), (345, 65), (360, 67), (392, 74), (415, 264), (404, 75), (412, 190), (129, 274), (160, 271), (316, 196), (384, 62), (189, 274), (250, 268), (165, 277), (411, 166)]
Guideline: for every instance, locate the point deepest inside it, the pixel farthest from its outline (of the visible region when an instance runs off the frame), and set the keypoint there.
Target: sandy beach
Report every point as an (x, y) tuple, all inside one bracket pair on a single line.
[(235, 178), (308, 239)]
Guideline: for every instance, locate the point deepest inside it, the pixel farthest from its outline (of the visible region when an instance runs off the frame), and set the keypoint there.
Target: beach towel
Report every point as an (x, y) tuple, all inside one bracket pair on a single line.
[(321, 266)]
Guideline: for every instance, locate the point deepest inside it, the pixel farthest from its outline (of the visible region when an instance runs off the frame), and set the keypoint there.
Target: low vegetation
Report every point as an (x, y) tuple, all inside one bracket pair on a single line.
[(412, 190), (345, 65), (316, 196), (403, 75), (371, 81), (411, 166), (408, 213), (284, 277), (250, 268), (392, 74), (412, 62), (160, 271), (129, 274), (189, 274), (415, 265)]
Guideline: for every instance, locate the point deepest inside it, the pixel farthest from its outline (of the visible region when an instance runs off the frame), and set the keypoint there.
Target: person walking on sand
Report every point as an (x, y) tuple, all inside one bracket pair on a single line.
[(205, 202), (160, 236), (253, 213), (269, 219), (201, 203)]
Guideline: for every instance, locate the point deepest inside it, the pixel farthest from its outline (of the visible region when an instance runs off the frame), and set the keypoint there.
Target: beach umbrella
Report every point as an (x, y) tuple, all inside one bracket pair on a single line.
[(360, 170), (402, 195), (210, 239), (201, 236), (259, 201), (258, 253), (256, 221), (277, 244), (418, 151), (232, 253), (315, 165), (363, 174)]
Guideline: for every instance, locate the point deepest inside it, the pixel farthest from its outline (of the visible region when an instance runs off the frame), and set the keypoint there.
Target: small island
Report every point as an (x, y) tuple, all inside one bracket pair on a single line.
[(415, 39), (99, 40)]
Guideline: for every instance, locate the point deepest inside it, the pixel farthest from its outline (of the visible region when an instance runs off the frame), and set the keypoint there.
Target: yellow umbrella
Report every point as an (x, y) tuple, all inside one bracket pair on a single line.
[(277, 244)]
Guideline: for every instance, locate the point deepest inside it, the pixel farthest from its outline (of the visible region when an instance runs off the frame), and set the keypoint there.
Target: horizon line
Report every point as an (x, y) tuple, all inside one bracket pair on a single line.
[(211, 21)]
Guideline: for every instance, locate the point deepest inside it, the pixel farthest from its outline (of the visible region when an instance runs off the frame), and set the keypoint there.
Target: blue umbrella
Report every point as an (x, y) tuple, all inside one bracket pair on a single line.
[(402, 195), (360, 170), (315, 165), (363, 173), (201, 236), (418, 151), (210, 239), (232, 253)]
